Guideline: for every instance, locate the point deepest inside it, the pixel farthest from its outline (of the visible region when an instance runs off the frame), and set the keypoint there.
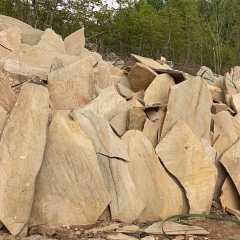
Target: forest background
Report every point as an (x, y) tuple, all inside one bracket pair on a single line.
[(191, 33)]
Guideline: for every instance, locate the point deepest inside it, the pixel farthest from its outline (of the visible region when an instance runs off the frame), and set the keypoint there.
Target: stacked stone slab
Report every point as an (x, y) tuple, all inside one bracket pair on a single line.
[(82, 140)]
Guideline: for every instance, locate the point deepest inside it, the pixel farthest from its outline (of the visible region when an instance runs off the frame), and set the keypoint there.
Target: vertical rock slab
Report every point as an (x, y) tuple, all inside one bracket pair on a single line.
[(191, 102), (127, 204), (159, 89), (69, 189), (70, 87), (236, 102), (107, 105), (231, 161), (140, 76), (7, 96), (162, 195), (21, 153), (75, 42), (184, 156), (3, 119), (136, 119)]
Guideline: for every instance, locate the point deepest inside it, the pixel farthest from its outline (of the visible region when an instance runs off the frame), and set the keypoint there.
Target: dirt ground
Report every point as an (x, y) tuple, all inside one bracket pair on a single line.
[(218, 229)]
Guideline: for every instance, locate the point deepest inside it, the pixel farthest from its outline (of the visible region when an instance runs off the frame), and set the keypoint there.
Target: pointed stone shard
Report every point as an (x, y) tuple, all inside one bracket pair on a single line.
[(3, 119), (127, 204), (230, 197), (229, 86), (191, 102), (153, 114), (124, 81), (70, 87), (140, 77), (56, 64), (159, 89), (69, 189), (75, 42), (103, 137), (51, 41), (107, 105), (230, 161), (119, 122), (184, 156), (153, 183), (236, 102), (21, 153), (7, 96), (136, 119)]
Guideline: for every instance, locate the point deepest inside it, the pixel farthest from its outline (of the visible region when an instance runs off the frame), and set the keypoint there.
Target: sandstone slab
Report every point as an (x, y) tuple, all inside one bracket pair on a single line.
[(218, 107), (3, 119), (124, 91), (140, 76), (159, 89), (236, 102), (70, 86), (107, 105), (120, 236), (153, 183), (21, 147), (69, 189), (184, 156), (191, 102), (136, 119), (75, 42), (56, 64)]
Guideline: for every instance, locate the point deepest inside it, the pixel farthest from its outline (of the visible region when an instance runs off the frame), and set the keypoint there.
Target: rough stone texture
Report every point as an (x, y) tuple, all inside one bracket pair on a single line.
[(184, 156), (191, 102), (136, 119), (153, 183), (230, 197), (159, 89), (153, 114), (134, 102), (30, 35), (21, 153), (120, 236), (7, 96), (140, 76), (229, 86), (75, 42), (69, 189), (102, 135), (230, 161), (107, 105), (119, 122), (3, 119), (127, 204), (124, 91), (51, 41), (70, 86), (236, 102)]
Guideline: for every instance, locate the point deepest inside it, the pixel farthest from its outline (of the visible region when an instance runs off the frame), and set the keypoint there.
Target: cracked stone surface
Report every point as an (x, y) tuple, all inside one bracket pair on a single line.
[(70, 189), (21, 153), (102, 135), (161, 194), (184, 156)]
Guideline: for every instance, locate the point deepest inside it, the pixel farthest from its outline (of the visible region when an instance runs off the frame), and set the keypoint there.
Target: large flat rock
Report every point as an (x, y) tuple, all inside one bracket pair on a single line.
[(127, 204), (70, 188), (184, 157), (161, 194), (107, 105), (70, 86), (21, 154), (191, 102)]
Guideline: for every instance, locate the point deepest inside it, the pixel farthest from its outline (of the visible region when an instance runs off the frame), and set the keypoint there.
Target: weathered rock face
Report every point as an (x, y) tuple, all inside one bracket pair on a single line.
[(103, 137), (7, 96), (107, 105), (136, 119), (21, 153), (236, 102), (75, 42), (140, 77), (70, 86), (69, 189), (152, 181), (159, 89), (184, 156), (30, 35), (230, 161), (3, 119), (51, 41), (190, 101), (127, 204)]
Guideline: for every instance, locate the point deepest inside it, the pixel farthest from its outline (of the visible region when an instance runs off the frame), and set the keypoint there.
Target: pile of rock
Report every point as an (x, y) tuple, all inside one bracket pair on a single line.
[(82, 140)]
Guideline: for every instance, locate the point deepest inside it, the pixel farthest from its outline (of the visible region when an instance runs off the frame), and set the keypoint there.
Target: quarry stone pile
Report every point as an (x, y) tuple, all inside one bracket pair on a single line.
[(82, 140)]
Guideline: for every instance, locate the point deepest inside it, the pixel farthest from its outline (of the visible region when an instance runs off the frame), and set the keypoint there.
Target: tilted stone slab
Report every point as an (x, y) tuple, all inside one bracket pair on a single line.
[(3, 119), (70, 188), (184, 157), (162, 195), (21, 154)]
